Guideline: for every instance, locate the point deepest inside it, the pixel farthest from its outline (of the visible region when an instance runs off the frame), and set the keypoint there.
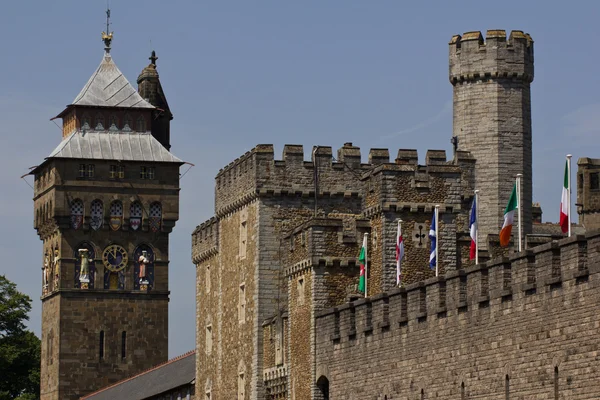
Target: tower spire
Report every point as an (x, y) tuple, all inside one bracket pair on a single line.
[(106, 36)]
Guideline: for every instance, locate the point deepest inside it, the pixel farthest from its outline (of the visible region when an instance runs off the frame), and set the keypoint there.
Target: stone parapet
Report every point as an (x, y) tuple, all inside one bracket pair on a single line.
[(205, 240), (566, 262), (472, 58)]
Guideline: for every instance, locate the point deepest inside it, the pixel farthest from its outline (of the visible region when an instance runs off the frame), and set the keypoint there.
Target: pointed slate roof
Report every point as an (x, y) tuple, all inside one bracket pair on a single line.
[(131, 146), (108, 87)]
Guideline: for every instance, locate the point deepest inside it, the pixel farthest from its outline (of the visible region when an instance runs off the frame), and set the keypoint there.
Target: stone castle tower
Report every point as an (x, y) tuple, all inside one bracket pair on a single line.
[(588, 192), (105, 202), (492, 118)]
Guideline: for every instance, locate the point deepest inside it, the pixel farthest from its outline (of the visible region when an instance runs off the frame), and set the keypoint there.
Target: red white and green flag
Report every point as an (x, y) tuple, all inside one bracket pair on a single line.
[(362, 259), (564, 202), (509, 218)]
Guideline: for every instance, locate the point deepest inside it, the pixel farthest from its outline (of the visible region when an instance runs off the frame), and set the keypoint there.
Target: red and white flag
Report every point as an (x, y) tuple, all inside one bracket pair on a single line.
[(564, 202), (399, 254)]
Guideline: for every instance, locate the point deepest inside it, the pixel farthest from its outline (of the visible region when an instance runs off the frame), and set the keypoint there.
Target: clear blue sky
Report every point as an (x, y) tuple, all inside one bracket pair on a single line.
[(238, 73)]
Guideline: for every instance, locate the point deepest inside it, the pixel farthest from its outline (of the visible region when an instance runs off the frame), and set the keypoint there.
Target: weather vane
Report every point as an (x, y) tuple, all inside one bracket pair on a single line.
[(106, 36)]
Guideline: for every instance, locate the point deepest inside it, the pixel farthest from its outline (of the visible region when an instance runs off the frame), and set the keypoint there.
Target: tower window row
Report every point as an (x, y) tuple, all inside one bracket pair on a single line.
[(113, 123), (116, 217), (88, 171)]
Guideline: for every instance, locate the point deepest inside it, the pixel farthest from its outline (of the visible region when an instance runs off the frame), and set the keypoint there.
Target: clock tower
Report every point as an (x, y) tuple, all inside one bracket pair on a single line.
[(105, 200)]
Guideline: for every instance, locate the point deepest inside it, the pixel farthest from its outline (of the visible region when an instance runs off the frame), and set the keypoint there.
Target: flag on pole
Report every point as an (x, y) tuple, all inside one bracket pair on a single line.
[(362, 259), (473, 229), (564, 202), (432, 238), (509, 217), (399, 254)]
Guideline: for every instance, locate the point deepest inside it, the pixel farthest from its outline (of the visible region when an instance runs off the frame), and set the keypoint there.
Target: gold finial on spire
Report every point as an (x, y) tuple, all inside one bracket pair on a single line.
[(106, 36)]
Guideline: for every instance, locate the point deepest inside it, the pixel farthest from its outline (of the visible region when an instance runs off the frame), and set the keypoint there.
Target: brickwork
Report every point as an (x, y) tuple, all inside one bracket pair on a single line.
[(492, 117), (522, 317)]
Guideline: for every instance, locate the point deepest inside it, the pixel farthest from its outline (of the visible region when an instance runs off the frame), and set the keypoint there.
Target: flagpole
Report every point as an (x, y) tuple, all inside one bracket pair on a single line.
[(477, 227), (569, 190), (437, 242), (366, 261), (398, 261), (519, 176)]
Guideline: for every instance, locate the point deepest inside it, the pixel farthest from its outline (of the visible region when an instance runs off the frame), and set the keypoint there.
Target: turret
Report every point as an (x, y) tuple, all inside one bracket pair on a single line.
[(492, 117), (150, 89)]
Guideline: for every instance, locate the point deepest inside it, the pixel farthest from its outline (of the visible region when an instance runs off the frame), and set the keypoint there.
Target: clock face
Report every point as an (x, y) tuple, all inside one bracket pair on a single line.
[(114, 258)]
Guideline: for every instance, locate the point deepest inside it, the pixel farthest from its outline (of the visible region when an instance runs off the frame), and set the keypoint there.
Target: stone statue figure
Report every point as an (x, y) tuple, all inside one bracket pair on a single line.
[(56, 268), (84, 272), (46, 272), (143, 260)]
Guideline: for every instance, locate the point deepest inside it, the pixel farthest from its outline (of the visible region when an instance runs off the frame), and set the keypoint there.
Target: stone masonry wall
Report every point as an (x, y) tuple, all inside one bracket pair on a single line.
[(144, 318), (492, 117), (524, 327)]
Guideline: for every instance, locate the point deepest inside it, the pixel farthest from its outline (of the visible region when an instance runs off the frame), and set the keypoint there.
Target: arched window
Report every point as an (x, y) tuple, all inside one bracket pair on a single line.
[(76, 213), (463, 392), (155, 218), (85, 122), (135, 215), (50, 210), (90, 270), (143, 267), (99, 123), (127, 124), (556, 383), (507, 387), (141, 124), (113, 123), (116, 215), (96, 214)]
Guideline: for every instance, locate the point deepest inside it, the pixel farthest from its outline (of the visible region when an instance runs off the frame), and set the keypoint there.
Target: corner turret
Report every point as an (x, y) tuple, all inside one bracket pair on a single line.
[(149, 88), (492, 117)]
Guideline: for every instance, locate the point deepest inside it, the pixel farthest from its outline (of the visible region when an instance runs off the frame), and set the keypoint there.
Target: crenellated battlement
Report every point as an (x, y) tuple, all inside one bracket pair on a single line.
[(205, 240), (564, 263), (258, 173), (472, 58)]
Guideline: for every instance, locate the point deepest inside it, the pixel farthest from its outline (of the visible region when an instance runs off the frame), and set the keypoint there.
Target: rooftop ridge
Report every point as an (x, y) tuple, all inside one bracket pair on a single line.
[(185, 355)]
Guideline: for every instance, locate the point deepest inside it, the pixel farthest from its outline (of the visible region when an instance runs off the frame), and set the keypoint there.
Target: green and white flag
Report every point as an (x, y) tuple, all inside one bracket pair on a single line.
[(362, 259)]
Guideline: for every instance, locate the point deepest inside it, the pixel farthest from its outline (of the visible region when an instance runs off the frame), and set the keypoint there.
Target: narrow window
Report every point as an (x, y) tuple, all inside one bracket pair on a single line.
[(208, 339), (556, 383), (241, 386), (113, 123), (143, 173), (594, 181), (463, 394), (207, 397), (91, 170), (422, 394), (99, 122), (300, 287), (112, 174), (242, 304), (127, 123), (141, 124), (123, 345), (207, 284), (121, 171), (150, 173), (82, 170), (507, 387), (101, 346)]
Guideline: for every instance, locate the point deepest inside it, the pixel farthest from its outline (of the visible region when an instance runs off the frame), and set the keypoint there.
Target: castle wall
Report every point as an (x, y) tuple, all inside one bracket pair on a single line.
[(492, 117), (526, 325)]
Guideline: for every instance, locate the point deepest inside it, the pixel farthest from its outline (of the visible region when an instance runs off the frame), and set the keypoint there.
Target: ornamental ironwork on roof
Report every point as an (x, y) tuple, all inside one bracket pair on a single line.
[(108, 87), (132, 146)]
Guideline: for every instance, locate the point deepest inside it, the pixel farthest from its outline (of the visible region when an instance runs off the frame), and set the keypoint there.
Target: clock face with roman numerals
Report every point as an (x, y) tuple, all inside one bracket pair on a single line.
[(114, 258)]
